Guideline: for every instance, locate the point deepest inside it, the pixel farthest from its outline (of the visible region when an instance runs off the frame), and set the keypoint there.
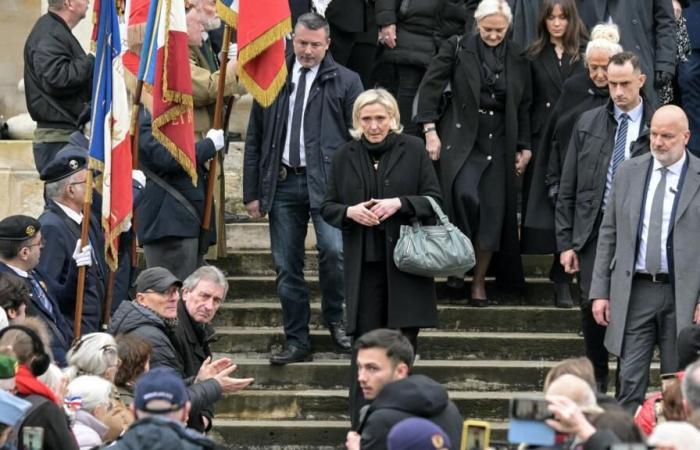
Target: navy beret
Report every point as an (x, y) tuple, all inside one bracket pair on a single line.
[(69, 160), (18, 228)]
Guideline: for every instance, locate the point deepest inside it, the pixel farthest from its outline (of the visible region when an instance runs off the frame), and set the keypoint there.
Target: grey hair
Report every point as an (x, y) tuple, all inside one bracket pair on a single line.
[(55, 189), (92, 390), (313, 21), (604, 37), (379, 97), (490, 7), (690, 386), (92, 355), (209, 273)]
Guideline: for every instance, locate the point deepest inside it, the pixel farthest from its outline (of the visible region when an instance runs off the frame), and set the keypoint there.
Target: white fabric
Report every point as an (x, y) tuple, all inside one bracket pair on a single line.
[(310, 76)]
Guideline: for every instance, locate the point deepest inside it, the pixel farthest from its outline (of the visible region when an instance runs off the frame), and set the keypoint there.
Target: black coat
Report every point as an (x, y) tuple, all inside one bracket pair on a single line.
[(458, 127), (582, 184), (579, 95), (415, 396), (421, 26), (48, 416), (155, 433), (57, 326), (547, 85), (159, 214), (56, 65), (408, 175), (57, 267), (327, 119)]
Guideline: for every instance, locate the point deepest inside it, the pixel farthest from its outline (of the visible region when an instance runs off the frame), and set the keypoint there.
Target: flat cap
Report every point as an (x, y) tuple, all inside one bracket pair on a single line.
[(18, 228), (69, 160), (157, 279)]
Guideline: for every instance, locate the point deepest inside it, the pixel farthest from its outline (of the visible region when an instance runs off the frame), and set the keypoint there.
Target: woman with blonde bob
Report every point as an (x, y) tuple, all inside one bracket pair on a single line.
[(377, 183)]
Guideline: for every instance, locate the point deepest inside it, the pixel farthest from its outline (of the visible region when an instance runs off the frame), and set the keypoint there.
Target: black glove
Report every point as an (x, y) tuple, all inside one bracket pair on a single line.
[(552, 194), (662, 78)]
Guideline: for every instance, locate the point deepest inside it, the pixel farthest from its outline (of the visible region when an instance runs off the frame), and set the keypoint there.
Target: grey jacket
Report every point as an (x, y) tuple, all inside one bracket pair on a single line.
[(131, 317), (154, 433)]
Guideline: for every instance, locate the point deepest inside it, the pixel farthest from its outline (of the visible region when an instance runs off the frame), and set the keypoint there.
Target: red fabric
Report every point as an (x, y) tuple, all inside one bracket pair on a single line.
[(138, 15), (646, 416), (28, 384)]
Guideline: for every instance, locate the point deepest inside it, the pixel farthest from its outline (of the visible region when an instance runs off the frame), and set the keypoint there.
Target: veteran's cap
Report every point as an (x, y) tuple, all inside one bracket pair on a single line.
[(18, 228)]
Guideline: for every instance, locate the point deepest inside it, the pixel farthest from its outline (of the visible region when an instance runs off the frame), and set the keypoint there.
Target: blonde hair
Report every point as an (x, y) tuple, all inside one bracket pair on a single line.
[(490, 7), (92, 355), (604, 37), (377, 96)]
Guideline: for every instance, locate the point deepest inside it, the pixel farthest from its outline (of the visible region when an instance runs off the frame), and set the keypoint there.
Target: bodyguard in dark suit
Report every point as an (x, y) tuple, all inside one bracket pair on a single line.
[(647, 28), (63, 254), (602, 138), (21, 242), (645, 288)]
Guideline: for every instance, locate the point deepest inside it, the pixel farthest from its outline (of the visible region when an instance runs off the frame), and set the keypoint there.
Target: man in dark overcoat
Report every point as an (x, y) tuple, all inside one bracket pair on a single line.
[(647, 28), (585, 184), (287, 158), (645, 289), (63, 252)]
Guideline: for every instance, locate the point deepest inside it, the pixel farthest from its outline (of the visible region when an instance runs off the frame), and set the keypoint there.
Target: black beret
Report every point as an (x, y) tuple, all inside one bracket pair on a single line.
[(69, 160), (18, 228)]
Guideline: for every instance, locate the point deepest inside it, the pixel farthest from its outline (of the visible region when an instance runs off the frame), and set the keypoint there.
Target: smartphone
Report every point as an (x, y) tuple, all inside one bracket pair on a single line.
[(32, 438), (524, 408), (476, 435)]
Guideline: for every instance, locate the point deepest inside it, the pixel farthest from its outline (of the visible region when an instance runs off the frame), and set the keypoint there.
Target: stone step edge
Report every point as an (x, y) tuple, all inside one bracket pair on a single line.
[(245, 303), (242, 331), (223, 421), (314, 278)]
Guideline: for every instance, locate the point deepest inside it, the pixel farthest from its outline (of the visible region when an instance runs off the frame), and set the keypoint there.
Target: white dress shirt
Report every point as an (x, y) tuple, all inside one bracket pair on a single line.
[(672, 178), (310, 76), (74, 216), (634, 124)]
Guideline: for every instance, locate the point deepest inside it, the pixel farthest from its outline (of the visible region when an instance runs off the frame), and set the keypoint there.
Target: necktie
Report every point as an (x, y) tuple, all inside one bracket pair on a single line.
[(653, 256), (295, 137), (620, 144), (39, 294)]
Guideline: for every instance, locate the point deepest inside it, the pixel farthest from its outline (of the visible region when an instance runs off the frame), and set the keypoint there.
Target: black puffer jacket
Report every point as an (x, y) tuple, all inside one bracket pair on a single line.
[(56, 65), (421, 26), (154, 433), (131, 317), (415, 396)]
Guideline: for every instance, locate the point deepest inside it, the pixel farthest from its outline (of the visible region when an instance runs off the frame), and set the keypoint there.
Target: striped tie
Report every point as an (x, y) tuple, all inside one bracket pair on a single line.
[(620, 143)]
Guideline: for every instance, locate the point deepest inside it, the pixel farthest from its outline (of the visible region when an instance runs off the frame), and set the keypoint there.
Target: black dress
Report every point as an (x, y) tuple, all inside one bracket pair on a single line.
[(479, 188)]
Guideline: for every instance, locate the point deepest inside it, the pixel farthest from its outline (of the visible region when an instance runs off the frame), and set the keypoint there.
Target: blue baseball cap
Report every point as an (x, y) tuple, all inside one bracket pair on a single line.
[(160, 391), (416, 433), (12, 409)]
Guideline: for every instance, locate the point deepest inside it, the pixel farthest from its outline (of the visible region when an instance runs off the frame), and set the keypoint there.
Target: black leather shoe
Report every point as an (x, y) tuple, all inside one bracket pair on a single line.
[(291, 354), (562, 295), (479, 302), (341, 341)]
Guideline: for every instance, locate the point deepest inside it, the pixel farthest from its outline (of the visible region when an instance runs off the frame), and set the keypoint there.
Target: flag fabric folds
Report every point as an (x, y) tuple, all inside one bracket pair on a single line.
[(164, 67), (110, 144), (261, 26)]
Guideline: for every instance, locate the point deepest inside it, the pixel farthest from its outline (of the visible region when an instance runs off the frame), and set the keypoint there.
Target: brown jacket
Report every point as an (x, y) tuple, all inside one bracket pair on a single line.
[(204, 87)]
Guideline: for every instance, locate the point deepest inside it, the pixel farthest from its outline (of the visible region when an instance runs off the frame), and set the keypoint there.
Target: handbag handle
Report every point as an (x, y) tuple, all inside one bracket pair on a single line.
[(438, 212)]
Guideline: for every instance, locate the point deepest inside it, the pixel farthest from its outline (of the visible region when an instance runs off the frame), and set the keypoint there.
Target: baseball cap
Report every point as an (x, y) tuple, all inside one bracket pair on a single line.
[(416, 433), (157, 279), (160, 391), (8, 367)]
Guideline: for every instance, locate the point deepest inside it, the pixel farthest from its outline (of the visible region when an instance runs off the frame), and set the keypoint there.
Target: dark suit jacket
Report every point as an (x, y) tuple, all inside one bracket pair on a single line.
[(59, 329), (58, 269), (408, 175), (582, 184)]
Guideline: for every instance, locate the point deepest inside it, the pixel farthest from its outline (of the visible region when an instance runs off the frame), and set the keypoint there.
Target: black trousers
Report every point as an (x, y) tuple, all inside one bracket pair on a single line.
[(356, 55), (371, 315), (406, 79)]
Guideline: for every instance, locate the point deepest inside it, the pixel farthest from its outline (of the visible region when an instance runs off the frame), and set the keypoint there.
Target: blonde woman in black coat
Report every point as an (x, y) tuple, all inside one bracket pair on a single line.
[(482, 138), (378, 182)]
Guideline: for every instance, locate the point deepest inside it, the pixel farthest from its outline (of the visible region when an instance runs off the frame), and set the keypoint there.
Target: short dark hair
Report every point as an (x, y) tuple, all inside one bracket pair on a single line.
[(13, 292), (398, 347), (313, 21), (621, 59), (10, 248), (133, 353)]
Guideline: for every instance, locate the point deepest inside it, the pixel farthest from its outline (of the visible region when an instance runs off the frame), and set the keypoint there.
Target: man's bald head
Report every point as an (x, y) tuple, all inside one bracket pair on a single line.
[(669, 134), (574, 388)]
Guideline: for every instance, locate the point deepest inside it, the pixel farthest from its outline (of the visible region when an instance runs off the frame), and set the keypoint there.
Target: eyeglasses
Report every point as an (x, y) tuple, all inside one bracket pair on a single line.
[(78, 182)]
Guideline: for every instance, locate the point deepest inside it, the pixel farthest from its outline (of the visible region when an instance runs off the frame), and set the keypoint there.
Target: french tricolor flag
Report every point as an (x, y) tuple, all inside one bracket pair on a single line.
[(110, 143), (164, 65)]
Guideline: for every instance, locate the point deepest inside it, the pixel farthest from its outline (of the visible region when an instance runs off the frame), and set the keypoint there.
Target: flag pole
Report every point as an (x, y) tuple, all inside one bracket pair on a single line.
[(84, 240), (218, 112)]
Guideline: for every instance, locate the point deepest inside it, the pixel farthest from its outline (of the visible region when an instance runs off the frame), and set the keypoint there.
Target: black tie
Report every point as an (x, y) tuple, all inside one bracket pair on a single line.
[(295, 137)]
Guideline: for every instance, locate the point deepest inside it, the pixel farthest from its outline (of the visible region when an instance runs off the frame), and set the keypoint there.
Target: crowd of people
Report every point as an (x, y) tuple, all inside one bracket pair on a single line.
[(562, 127)]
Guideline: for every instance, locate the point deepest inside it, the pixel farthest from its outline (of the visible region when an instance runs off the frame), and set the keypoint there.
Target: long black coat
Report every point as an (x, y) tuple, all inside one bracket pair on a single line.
[(458, 126), (409, 175)]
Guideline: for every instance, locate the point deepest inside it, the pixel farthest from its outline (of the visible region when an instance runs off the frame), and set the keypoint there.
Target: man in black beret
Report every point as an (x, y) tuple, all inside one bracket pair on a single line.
[(21, 242), (65, 177)]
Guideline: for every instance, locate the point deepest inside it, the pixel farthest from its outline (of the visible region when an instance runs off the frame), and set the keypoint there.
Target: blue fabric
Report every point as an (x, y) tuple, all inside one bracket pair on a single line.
[(689, 82), (289, 218)]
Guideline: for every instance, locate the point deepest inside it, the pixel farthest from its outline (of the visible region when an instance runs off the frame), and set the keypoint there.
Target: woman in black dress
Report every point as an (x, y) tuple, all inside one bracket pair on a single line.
[(481, 137), (555, 56)]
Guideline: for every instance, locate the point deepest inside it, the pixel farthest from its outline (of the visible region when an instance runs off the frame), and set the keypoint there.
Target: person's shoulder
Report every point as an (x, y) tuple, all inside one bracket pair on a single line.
[(410, 143), (590, 119)]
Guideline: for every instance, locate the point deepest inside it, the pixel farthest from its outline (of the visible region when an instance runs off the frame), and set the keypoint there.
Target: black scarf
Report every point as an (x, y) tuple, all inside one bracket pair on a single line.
[(493, 65)]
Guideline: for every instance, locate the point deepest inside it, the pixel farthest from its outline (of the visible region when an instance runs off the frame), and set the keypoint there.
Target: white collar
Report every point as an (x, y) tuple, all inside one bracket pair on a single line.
[(76, 217), (634, 114), (18, 271), (676, 168), (297, 67)]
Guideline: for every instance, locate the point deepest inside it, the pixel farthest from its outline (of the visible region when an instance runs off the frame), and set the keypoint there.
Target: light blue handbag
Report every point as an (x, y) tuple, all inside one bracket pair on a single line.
[(434, 250)]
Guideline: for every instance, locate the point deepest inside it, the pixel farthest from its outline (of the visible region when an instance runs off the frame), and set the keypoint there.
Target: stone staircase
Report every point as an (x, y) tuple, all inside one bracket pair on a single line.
[(482, 355)]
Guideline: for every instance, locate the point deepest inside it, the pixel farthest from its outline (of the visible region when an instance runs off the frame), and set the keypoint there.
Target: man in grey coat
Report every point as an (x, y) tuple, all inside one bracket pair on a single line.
[(645, 288)]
